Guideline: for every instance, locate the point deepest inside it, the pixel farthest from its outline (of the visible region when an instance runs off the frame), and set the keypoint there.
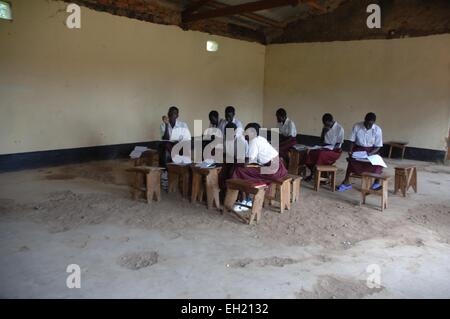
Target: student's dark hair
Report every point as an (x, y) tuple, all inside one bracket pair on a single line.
[(231, 125), (230, 109), (327, 117), (173, 109), (214, 113), (255, 126), (370, 117), (281, 112)]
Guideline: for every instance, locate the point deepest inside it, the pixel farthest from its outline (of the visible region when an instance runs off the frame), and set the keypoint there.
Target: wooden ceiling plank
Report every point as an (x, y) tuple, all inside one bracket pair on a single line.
[(195, 6), (238, 9)]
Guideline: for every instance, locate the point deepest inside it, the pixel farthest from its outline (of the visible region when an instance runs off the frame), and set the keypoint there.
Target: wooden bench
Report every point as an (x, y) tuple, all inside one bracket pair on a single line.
[(367, 180), (295, 158), (147, 181), (400, 145), (280, 194), (179, 178), (405, 177), (234, 186), (148, 158), (295, 187), (206, 179), (331, 170)]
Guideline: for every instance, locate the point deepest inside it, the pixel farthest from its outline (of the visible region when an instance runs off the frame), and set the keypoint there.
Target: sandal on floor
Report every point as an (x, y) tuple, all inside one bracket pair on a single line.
[(343, 187), (376, 186)]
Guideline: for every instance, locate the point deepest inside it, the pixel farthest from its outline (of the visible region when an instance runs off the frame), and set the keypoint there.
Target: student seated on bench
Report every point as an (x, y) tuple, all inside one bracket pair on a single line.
[(269, 167), (331, 140), (172, 131), (366, 136), (288, 133), (214, 119), (230, 117), (235, 152)]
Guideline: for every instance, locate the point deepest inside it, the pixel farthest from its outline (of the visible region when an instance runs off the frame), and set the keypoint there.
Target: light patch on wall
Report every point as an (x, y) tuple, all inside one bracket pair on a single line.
[(5, 10), (212, 46)]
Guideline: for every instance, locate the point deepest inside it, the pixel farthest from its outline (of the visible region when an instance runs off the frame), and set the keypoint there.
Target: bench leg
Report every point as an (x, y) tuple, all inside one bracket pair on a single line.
[(317, 177), (414, 180), (333, 181), (212, 190), (258, 200), (173, 182), (196, 180), (230, 198), (138, 182), (153, 186)]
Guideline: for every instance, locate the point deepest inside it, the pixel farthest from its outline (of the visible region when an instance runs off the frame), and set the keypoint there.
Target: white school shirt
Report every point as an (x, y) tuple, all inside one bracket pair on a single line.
[(260, 151), (223, 123), (367, 138), (237, 148), (335, 135), (287, 128), (177, 133)]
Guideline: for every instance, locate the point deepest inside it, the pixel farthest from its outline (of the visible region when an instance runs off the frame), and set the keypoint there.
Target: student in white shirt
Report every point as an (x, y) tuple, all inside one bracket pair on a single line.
[(331, 139), (172, 131), (236, 151), (262, 153), (230, 116), (214, 119), (366, 136), (288, 133)]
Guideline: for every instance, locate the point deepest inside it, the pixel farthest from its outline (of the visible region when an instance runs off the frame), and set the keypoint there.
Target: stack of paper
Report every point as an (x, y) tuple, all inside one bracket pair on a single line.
[(181, 160), (300, 147), (359, 155), (206, 163), (376, 160), (137, 152), (373, 159)]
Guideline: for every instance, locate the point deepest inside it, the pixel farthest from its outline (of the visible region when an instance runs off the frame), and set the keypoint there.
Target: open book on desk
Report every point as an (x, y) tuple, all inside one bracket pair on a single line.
[(321, 147), (373, 159)]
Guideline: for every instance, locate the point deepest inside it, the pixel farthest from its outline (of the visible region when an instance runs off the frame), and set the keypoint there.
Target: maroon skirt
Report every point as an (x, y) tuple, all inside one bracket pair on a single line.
[(254, 173), (359, 167), (322, 157), (285, 146)]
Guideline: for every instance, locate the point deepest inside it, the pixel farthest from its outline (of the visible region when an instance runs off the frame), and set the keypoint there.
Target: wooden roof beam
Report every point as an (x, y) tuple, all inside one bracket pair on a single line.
[(238, 9)]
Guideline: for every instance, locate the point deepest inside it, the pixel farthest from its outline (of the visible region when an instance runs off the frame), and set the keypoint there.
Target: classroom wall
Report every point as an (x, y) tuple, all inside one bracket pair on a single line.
[(111, 81), (406, 82)]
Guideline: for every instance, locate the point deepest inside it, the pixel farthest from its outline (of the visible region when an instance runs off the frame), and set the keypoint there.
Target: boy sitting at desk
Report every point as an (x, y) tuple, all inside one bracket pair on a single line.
[(331, 140), (172, 132), (288, 133), (367, 137)]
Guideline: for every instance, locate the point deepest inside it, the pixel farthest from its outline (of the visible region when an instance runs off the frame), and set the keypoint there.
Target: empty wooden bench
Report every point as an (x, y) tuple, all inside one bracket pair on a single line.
[(179, 178), (148, 158), (295, 158), (205, 179), (147, 180), (234, 186), (280, 194), (331, 178), (405, 177), (295, 187), (366, 187), (400, 145)]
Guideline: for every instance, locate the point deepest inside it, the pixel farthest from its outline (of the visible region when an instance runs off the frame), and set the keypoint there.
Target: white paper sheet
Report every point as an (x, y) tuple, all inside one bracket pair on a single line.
[(181, 160), (377, 160), (137, 152), (359, 155)]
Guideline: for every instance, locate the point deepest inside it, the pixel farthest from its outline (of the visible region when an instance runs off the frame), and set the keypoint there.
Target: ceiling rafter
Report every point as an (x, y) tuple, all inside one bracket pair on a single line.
[(238, 9)]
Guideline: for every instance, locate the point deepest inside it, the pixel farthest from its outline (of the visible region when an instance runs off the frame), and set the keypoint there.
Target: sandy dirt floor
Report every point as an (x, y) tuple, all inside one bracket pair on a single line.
[(326, 246)]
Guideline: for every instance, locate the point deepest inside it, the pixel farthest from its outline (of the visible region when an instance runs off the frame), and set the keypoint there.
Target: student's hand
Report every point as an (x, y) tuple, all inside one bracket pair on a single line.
[(165, 119)]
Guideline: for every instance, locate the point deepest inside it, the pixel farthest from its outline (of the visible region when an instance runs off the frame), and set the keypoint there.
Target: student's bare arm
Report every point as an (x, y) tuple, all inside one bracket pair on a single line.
[(375, 151)]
